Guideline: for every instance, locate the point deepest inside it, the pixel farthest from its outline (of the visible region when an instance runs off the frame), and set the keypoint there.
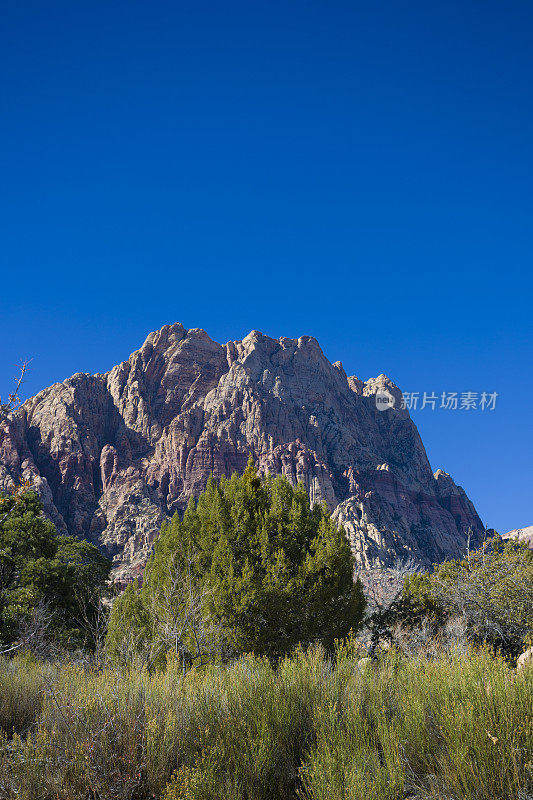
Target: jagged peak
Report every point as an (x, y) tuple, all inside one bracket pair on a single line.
[(338, 366), (198, 333), (257, 337), (383, 384), (165, 335), (372, 385), (355, 384), (141, 439), (309, 341), (446, 484)]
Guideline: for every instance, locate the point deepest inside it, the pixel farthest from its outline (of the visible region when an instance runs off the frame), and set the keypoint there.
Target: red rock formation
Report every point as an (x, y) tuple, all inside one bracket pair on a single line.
[(113, 455)]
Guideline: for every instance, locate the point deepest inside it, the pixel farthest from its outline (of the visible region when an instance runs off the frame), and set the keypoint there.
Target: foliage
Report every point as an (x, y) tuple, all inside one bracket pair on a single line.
[(491, 588), (383, 587), (419, 600), (47, 581), (22, 689), (252, 568), (129, 628), (314, 727)]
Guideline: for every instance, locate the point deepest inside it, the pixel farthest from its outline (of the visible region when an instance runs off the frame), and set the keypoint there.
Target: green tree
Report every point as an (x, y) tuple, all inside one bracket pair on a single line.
[(130, 630), (252, 567), (44, 572)]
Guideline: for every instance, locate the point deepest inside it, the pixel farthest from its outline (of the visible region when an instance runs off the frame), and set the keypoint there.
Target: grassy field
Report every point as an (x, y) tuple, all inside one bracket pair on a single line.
[(454, 728)]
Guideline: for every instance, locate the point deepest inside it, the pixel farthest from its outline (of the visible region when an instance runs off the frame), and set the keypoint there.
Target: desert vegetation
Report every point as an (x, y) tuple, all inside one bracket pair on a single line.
[(51, 586), (251, 567), (312, 726), (250, 665)]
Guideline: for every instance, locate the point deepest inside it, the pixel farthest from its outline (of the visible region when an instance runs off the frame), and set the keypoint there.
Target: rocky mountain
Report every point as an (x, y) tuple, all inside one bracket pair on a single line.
[(113, 455)]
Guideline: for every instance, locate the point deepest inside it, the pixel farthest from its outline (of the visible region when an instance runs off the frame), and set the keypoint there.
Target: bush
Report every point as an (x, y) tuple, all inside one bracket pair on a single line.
[(491, 590), (49, 583), (23, 684), (452, 728), (456, 727), (252, 567)]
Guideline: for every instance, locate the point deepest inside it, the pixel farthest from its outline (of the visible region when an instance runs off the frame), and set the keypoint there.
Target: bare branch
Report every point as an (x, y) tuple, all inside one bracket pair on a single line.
[(178, 611), (13, 399), (383, 587)]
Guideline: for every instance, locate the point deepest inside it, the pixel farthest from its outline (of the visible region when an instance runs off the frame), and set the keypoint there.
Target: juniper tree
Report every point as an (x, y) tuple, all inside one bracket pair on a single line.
[(260, 570), (44, 574)]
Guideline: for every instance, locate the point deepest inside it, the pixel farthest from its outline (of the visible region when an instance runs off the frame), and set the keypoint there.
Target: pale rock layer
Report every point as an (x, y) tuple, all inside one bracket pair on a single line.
[(522, 534)]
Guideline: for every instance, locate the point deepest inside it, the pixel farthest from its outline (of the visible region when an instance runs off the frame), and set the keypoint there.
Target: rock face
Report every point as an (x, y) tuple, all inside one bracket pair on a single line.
[(522, 534), (525, 660), (113, 455)]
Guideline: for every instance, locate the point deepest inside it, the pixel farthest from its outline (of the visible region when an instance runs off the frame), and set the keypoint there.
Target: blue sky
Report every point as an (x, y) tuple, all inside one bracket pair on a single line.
[(360, 172)]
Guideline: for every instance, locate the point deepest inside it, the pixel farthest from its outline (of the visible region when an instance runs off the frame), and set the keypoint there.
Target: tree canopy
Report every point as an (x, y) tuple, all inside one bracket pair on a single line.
[(42, 572), (251, 566)]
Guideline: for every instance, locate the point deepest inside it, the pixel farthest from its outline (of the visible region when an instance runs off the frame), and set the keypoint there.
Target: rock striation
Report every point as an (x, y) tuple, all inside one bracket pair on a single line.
[(114, 455)]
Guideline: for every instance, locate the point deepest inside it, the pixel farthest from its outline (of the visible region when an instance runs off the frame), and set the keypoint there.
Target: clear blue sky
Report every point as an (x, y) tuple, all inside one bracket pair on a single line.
[(357, 171)]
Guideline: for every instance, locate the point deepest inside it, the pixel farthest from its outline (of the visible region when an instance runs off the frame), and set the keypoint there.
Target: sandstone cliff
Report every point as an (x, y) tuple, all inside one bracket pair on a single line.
[(113, 455)]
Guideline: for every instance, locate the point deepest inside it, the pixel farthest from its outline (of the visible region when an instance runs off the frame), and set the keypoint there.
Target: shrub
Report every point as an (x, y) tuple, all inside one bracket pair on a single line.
[(491, 590), (454, 727), (48, 582), (23, 684), (252, 567)]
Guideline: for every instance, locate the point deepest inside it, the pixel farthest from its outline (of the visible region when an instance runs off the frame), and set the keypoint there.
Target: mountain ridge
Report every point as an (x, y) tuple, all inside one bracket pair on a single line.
[(114, 454)]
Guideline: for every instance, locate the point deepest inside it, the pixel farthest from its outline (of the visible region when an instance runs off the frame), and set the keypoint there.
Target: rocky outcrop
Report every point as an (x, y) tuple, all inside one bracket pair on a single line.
[(113, 455), (525, 661), (522, 534)]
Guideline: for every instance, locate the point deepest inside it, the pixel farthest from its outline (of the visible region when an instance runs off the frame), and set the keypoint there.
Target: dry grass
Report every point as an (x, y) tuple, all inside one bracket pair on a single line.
[(457, 727)]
